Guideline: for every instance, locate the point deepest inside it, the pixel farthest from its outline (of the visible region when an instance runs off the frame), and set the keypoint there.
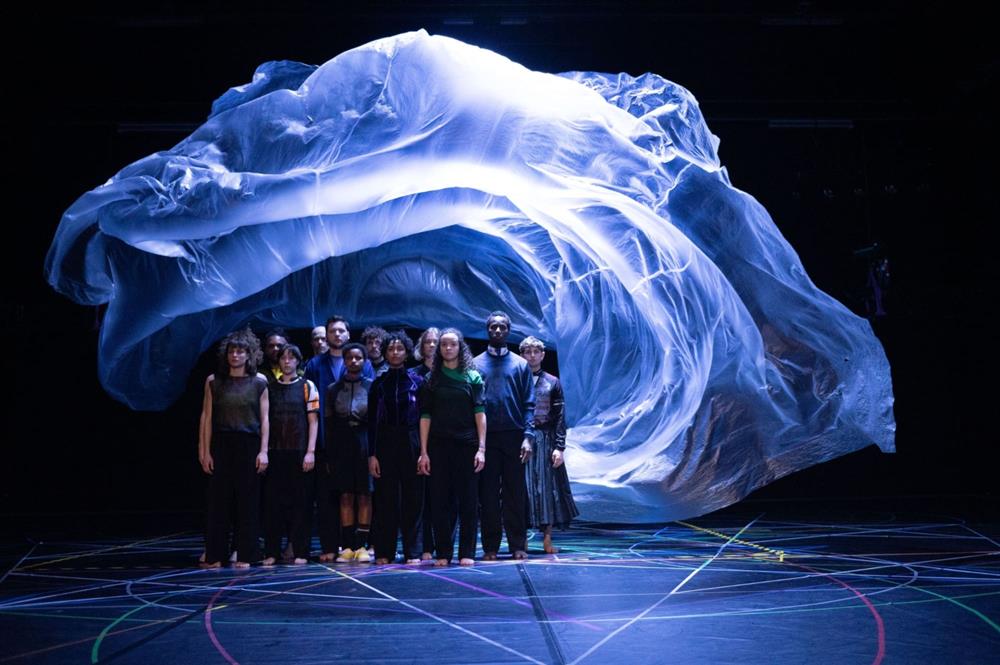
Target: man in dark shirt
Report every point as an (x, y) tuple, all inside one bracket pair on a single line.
[(510, 435)]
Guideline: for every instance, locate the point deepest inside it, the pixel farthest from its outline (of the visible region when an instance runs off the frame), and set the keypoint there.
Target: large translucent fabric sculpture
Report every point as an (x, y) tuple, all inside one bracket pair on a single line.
[(421, 181)]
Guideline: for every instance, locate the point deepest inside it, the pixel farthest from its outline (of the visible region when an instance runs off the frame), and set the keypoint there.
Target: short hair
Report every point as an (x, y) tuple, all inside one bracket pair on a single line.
[(397, 336), (243, 339), (280, 332), (418, 349), (531, 342), (497, 313), (354, 346), (334, 319), (291, 348), (312, 332), (373, 332)]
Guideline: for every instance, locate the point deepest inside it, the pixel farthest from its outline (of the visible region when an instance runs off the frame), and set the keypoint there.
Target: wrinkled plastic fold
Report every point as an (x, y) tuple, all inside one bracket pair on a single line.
[(421, 181)]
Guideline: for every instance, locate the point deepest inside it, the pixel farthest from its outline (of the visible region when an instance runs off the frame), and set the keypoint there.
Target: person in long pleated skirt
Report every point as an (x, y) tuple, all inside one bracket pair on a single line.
[(550, 499)]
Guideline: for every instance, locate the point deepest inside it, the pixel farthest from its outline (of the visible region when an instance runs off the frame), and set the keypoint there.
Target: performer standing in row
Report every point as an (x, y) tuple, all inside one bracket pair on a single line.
[(550, 499), (510, 407), (232, 447), (394, 441), (453, 445), (425, 352), (294, 408), (346, 431)]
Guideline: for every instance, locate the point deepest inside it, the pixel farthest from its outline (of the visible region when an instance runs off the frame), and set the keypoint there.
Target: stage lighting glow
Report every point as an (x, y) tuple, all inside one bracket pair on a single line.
[(421, 181)]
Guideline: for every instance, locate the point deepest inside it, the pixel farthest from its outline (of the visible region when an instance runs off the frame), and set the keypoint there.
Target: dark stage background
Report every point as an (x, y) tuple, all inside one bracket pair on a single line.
[(853, 125)]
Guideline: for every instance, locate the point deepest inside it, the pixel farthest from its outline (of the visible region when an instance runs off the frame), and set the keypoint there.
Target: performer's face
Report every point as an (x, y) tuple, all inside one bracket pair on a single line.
[(319, 344), (353, 361), (498, 328), (428, 346), (534, 356), (337, 334), (395, 353), (272, 346), (449, 346), (288, 363), (374, 346), (236, 356)]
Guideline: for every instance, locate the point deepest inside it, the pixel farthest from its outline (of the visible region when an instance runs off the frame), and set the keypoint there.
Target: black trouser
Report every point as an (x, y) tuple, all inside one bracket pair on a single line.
[(399, 493), (503, 483), (286, 507), (234, 478), (327, 505), (453, 484)]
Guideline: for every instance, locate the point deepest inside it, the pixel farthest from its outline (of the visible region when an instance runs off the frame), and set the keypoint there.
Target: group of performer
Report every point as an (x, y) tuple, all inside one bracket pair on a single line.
[(446, 444)]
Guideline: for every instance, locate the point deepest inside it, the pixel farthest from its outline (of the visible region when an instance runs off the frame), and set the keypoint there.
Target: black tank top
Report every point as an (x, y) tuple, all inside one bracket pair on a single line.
[(236, 403), (289, 422)]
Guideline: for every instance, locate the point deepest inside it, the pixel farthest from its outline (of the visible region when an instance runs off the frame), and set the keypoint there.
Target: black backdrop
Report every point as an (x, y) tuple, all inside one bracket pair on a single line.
[(852, 126)]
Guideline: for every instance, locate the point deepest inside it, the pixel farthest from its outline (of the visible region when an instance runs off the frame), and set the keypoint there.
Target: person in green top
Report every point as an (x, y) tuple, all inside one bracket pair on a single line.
[(453, 439)]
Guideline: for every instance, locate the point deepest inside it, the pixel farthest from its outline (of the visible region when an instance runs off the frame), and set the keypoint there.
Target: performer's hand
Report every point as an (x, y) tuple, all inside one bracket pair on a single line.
[(373, 467), (557, 458), (525, 450), (207, 463), (479, 461), (308, 462), (423, 465), (261, 462)]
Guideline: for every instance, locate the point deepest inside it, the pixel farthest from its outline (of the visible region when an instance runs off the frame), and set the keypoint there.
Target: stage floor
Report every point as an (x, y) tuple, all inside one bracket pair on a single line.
[(757, 583)]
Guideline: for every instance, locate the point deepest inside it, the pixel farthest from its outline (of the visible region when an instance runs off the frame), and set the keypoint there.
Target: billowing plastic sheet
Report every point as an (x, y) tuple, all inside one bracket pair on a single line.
[(421, 181)]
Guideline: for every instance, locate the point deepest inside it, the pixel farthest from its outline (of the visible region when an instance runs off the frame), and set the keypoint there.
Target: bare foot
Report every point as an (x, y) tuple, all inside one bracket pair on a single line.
[(441, 563), (426, 556), (490, 556), (268, 561), (466, 562), (327, 557), (520, 554), (299, 562), (410, 562), (214, 564), (381, 561), (240, 564)]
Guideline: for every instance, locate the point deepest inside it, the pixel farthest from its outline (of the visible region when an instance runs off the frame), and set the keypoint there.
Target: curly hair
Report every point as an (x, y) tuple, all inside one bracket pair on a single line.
[(418, 349), (465, 362), (397, 336), (243, 339), (373, 332)]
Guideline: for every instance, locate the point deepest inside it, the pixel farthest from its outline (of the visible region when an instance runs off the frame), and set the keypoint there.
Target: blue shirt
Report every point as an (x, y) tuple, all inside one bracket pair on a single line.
[(510, 393)]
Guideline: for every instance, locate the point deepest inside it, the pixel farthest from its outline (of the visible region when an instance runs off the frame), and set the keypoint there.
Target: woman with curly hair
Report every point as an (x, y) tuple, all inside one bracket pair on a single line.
[(453, 445), (394, 445), (232, 447)]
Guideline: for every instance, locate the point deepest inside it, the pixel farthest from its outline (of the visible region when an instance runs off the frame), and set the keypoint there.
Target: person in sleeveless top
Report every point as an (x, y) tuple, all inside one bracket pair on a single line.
[(233, 446), (294, 421)]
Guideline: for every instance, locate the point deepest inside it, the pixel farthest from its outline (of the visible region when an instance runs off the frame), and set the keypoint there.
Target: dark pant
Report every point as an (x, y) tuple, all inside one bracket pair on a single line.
[(234, 479), (453, 484), (399, 493), (286, 507), (502, 489), (327, 505)]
